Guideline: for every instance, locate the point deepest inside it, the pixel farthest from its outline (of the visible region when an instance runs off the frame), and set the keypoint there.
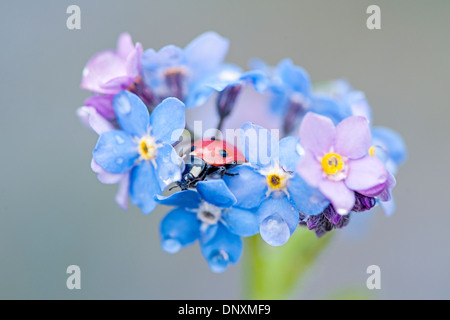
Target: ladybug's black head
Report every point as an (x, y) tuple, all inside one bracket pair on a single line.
[(194, 171)]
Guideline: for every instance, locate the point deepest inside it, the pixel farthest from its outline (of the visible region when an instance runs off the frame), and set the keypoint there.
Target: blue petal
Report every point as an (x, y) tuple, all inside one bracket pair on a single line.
[(216, 192), (198, 94), (308, 200), (184, 199), (259, 146), (359, 104), (241, 222), (279, 101), (168, 56), (206, 52), (144, 187), (289, 155), (168, 166), (330, 108), (167, 120), (223, 249), (257, 78), (278, 219), (248, 186), (115, 151), (259, 64), (392, 141), (132, 114), (178, 229), (208, 233), (388, 207), (294, 77), (227, 75)]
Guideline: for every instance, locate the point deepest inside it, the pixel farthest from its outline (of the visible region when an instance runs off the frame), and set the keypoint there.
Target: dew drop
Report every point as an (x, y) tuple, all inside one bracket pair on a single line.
[(342, 212), (300, 150), (274, 230), (218, 261), (123, 106), (119, 160), (168, 174), (119, 139), (171, 245)]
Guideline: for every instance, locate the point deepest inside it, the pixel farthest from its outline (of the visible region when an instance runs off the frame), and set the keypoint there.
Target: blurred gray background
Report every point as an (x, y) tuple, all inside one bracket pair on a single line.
[(54, 212)]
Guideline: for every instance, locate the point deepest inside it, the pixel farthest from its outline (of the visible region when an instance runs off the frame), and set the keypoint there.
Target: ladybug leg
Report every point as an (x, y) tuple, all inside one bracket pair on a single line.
[(175, 186), (231, 174), (289, 172), (227, 168), (221, 171)]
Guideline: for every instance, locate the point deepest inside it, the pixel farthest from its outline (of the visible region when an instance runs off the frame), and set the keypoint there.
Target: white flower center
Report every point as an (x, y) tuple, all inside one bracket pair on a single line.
[(209, 213)]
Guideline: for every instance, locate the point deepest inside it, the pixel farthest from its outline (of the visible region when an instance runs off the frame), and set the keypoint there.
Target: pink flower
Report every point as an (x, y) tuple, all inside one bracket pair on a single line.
[(337, 160), (111, 71)]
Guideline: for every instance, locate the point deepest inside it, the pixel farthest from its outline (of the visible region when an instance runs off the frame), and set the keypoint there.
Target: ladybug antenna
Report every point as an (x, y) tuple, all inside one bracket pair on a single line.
[(287, 171)]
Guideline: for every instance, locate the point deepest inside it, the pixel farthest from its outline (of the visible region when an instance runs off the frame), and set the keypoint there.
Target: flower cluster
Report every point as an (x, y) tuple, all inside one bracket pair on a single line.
[(293, 154)]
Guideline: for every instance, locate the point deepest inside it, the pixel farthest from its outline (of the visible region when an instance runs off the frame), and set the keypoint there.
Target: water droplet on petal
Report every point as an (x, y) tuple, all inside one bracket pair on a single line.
[(171, 245), (274, 230), (382, 179), (342, 212), (119, 160), (300, 150), (119, 139), (169, 174), (123, 106), (218, 261)]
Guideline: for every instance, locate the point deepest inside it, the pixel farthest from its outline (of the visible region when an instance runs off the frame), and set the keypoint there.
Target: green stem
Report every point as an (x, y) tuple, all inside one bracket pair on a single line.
[(273, 272)]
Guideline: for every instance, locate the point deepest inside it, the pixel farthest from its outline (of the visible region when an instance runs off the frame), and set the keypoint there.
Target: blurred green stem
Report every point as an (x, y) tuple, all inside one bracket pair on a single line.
[(273, 272)]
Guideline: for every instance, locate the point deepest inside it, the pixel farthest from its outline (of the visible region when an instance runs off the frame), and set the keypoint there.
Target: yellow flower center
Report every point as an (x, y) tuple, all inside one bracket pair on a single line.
[(372, 151), (147, 148), (332, 163), (274, 181), (171, 71), (276, 178)]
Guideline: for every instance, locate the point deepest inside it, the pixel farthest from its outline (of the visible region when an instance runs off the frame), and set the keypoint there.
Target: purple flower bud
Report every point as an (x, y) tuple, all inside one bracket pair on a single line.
[(176, 84), (144, 92), (325, 222), (295, 111), (363, 203), (227, 99)]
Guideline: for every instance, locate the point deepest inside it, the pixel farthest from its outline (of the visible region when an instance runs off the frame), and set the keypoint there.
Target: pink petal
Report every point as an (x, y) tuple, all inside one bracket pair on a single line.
[(102, 68), (365, 173), (310, 170), (133, 62), (93, 120), (317, 134), (382, 191), (339, 195), (353, 137), (117, 84), (124, 45), (123, 192), (105, 176), (103, 105)]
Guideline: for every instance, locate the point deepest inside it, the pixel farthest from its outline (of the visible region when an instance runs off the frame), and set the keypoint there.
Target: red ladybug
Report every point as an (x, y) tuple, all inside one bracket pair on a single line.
[(208, 157)]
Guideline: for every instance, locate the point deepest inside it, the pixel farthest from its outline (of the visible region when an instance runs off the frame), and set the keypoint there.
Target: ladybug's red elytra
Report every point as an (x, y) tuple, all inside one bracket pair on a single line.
[(207, 157), (217, 152)]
